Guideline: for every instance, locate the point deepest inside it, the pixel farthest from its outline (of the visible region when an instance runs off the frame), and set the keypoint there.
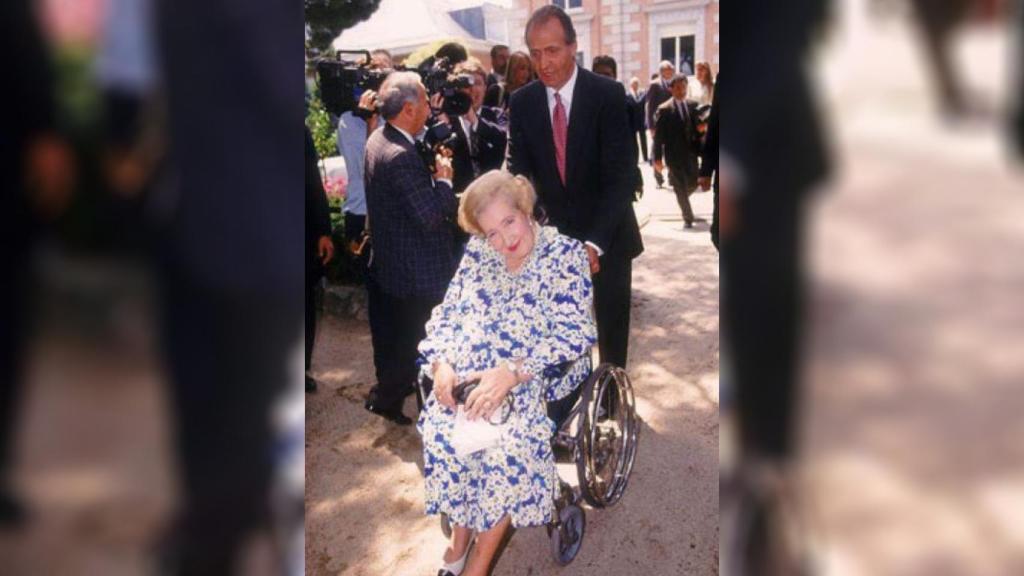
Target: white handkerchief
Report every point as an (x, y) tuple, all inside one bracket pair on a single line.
[(471, 436)]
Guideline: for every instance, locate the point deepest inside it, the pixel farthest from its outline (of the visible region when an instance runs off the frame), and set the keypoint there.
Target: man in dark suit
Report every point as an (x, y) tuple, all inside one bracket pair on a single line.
[(411, 216), (638, 115), (677, 142), (762, 217), (709, 163), (480, 142), (232, 262), (499, 61), (768, 166), (319, 247), (480, 145), (657, 93), (570, 136)]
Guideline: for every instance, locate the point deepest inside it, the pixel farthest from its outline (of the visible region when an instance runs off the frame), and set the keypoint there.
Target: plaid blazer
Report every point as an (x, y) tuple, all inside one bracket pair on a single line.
[(411, 218)]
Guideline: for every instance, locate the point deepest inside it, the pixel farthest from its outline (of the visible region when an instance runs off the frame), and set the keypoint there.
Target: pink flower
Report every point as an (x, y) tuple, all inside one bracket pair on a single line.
[(335, 187)]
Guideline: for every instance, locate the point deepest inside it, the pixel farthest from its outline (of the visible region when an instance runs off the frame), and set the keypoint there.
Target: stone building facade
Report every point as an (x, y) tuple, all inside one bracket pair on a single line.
[(639, 34)]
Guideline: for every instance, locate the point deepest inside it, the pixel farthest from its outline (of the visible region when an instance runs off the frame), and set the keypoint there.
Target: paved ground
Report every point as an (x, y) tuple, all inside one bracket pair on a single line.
[(364, 492), (94, 455)]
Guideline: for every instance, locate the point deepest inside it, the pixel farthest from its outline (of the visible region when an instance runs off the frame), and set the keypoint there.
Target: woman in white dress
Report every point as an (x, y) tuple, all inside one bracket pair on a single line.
[(517, 316)]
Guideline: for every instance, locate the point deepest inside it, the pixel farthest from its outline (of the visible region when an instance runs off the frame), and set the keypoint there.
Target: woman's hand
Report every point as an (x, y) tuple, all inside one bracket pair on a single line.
[(487, 397), (444, 381)]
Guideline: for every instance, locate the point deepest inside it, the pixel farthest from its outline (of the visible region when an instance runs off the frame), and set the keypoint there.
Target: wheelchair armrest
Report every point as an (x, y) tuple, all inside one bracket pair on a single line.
[(558, 370)]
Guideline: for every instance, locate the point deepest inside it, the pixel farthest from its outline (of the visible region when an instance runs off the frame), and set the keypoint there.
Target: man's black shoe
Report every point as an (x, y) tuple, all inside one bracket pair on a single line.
[(310, 384), (394, 415)]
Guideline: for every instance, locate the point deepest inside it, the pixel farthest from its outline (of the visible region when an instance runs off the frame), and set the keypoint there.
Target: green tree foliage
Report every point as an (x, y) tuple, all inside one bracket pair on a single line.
[(319, 122), (325, 19)]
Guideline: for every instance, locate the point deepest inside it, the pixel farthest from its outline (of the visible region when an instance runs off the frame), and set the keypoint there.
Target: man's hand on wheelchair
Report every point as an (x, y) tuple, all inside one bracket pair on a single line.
[(494, 385), (444, 382)]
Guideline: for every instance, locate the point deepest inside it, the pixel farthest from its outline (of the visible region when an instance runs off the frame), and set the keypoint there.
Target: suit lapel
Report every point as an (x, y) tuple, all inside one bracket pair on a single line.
[(579, 124), (547, 139)]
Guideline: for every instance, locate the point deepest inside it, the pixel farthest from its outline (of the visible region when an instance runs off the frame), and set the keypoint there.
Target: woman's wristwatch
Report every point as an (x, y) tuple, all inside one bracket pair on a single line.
[(513, 367)]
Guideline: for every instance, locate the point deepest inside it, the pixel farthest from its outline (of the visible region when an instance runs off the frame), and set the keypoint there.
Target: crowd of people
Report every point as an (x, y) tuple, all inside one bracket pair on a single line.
[(502, 252)]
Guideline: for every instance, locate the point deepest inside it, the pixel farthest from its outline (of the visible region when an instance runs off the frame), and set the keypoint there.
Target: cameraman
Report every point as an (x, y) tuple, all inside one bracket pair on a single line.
[(475, 138), (412, 216), (354, 128), (479, 142)]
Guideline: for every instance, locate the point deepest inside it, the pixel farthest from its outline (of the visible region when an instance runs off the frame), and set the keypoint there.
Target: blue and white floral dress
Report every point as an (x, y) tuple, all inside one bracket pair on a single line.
[(541, 314)]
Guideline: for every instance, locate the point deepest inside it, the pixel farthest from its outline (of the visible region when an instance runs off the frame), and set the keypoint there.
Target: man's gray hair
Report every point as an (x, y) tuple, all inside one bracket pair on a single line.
[(666, 64), (399, 88)]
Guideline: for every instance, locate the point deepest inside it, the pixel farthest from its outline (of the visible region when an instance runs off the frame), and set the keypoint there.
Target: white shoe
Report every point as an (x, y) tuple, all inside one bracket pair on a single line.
[(455, 568)]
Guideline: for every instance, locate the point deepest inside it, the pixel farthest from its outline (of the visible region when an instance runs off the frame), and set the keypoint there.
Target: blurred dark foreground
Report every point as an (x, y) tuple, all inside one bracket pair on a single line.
[(151, 313), (871, 292)]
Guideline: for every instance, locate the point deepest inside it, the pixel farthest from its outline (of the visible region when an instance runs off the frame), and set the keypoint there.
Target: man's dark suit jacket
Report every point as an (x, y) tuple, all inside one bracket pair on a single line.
[(709, 160), (637, 113), (773, 119), (30, 113), (234, 125), (657, 93), (709, 153), (410, 216), (676, 139), (595, 204), (318, 216), (491, 143)]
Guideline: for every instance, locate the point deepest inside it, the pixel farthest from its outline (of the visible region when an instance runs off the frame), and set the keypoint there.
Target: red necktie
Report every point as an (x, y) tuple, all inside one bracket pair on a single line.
[(560, 127)]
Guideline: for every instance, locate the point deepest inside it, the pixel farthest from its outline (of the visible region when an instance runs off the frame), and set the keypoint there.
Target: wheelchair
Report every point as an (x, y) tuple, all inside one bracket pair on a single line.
[(597, 429)]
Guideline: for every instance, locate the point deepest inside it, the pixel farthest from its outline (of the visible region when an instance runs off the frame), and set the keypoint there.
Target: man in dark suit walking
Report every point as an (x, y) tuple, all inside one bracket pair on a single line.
[(657, 93), (411, 215), (677, 142), (638, 116), (319, 247), (570, 136), (709, 163)]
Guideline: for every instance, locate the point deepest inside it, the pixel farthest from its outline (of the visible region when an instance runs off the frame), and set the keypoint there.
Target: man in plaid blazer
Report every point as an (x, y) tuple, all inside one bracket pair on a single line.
[(411, 215)]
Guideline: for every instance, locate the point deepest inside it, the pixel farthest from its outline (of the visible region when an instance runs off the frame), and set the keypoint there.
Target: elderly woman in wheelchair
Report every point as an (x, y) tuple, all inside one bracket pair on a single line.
[(513, 333)]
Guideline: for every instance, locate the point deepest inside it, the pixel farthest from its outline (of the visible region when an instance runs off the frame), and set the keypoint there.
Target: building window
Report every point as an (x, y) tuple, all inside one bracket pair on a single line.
[(568, 4), (679, 50)]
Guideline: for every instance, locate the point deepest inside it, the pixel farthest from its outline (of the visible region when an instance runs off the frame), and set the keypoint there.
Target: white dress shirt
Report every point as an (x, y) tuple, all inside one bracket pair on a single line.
[(565, 92)]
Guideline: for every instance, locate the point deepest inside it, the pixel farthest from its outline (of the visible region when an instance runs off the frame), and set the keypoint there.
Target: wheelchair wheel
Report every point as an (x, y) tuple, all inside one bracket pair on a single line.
[(446, 525), (607, 436), (567, 534)]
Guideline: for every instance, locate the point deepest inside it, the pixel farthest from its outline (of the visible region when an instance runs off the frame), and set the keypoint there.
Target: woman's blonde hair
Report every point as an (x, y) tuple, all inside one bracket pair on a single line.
[(516, 190)]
